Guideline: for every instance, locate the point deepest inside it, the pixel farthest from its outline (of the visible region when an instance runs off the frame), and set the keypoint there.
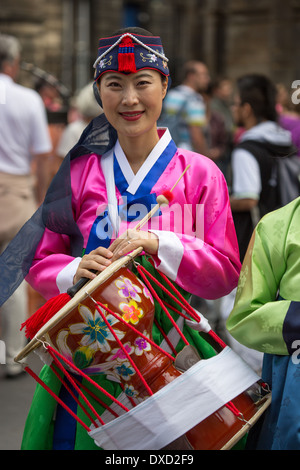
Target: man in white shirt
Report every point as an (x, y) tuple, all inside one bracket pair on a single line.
[(24, 144)]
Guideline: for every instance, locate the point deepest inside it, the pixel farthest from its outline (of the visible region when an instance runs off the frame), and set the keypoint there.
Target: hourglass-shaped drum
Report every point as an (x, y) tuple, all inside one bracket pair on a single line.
[(108, 330)]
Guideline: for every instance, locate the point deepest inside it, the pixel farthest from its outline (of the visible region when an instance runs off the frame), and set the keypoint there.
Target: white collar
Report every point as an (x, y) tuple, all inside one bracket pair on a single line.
[(134, 181)]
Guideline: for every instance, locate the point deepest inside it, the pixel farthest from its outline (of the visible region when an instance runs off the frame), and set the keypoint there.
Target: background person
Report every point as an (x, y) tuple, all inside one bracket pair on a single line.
[(289, 114), (252, 194), (254, 191), (186, 102), (221, 103), (24, 143), (265, 317), (87, 108)]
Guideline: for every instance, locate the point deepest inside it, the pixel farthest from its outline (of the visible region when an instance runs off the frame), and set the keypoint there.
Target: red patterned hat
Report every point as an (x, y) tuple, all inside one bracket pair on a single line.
[(130, 52)]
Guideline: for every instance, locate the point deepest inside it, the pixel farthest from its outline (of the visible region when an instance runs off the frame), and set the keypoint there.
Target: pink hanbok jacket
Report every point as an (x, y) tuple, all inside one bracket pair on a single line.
[(197, 240)]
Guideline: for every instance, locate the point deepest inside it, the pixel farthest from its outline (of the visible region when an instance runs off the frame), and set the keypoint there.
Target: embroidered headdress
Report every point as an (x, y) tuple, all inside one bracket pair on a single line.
[(130, 52)]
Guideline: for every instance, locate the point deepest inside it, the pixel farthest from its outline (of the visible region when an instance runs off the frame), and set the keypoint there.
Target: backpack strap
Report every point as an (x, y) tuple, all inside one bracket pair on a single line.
[(266, 155), (245, 222)]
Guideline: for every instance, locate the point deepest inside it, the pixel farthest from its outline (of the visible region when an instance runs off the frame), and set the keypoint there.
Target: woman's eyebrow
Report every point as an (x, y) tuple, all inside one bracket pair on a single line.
[(113, 76), (109, 76), (144, 74)]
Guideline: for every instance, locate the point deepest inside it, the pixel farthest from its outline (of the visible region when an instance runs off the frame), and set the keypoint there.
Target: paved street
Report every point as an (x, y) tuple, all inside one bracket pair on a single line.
[(15, 398)]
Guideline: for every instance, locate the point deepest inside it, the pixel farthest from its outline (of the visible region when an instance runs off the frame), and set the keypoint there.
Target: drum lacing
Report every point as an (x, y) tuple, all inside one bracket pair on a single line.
[(183, 303), (230, 405), (264, 386), (243, 419), (58, 359), (44, 343), (116, 315)]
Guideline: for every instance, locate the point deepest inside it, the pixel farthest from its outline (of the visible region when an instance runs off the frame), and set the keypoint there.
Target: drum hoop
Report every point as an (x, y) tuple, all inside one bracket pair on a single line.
[(262, 405), (81, 295)]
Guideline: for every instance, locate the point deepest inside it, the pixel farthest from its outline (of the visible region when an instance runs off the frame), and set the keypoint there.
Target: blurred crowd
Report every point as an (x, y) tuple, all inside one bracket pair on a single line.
[(241, 125)]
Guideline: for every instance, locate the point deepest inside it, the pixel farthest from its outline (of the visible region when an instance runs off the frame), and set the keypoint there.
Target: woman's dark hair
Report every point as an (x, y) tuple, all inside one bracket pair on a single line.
[(133, 30), (260, 93)]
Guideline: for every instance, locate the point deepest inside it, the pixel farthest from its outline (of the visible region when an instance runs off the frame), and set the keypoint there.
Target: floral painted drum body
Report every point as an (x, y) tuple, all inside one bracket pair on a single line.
[(84, 338)]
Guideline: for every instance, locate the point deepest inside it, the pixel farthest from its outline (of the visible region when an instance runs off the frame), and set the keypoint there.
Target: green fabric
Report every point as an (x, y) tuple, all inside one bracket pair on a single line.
[(241, 444), (38, 433), (39, 426), (271, 267)]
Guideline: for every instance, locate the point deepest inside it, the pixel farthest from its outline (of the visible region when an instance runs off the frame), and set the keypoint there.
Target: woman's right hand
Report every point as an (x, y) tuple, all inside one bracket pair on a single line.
[(96, 260)]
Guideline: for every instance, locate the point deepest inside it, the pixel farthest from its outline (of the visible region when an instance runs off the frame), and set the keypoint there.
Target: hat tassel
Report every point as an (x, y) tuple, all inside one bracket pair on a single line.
[(126, 59)]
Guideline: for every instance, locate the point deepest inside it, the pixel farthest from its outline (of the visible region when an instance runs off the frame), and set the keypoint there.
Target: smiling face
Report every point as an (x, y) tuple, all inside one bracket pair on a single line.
[(132, 103)]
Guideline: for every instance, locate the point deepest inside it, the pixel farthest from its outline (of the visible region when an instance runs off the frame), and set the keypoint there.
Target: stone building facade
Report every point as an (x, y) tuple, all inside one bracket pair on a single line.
[(231, 36)]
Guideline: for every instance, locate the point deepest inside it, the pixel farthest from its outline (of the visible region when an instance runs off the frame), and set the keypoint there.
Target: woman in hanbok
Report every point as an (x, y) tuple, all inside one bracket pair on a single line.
[(265, 317), (109, 180)]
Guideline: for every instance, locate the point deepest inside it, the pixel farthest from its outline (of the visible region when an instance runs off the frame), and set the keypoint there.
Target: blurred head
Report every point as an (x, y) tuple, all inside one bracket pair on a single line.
[(222, 88), (10, 54), (255, 100), (196, 75), (86, 104), (284, 99)]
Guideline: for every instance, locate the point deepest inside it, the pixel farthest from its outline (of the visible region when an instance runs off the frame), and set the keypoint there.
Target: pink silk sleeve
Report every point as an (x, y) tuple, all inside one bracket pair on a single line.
[(50, 258), (53, 252)]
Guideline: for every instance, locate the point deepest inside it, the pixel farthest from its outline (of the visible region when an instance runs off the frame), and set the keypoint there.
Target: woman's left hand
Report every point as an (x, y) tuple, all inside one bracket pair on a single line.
[(132, 239)]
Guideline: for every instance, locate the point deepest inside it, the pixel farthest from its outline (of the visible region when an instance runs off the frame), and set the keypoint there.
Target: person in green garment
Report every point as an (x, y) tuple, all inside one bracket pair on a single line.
[(266, 317)]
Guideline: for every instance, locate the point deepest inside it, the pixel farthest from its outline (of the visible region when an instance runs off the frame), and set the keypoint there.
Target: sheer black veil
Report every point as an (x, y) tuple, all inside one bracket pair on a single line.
[(56, 211)]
